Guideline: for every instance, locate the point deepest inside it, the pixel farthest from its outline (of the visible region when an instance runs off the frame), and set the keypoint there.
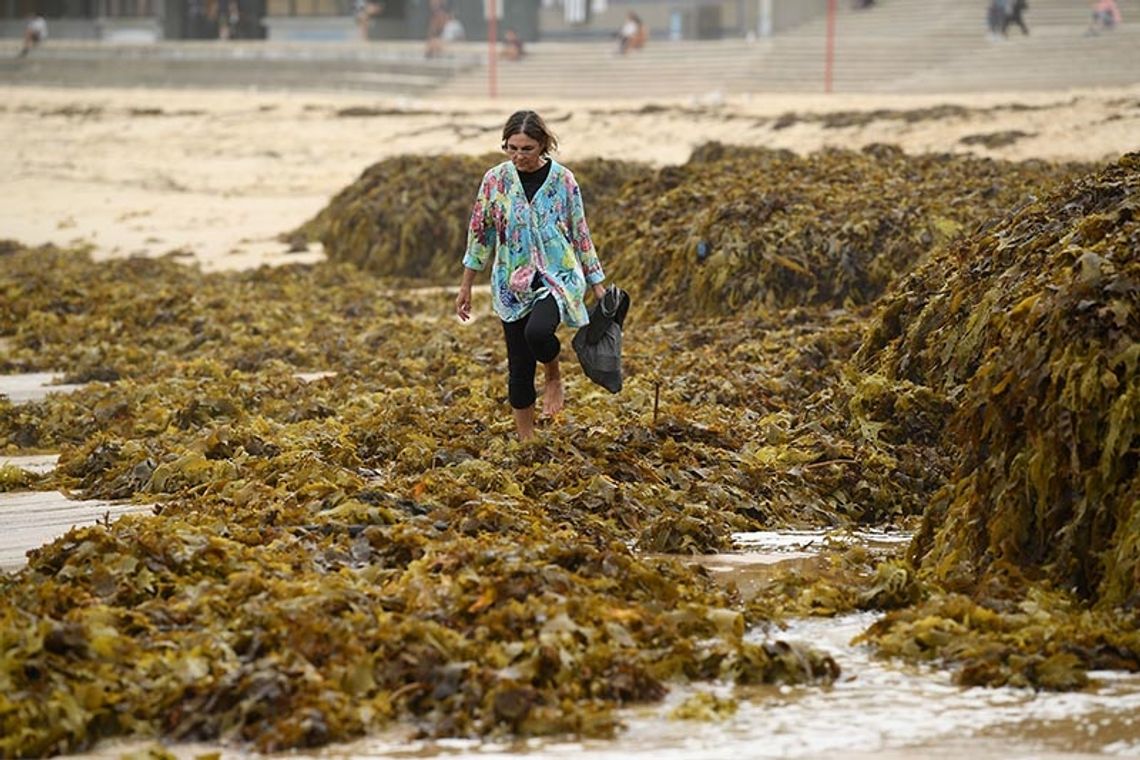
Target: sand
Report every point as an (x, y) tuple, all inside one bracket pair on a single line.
[(218, 176)]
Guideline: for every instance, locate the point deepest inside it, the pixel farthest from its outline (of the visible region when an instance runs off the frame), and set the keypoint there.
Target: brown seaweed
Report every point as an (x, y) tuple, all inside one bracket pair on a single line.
[(328, 556)]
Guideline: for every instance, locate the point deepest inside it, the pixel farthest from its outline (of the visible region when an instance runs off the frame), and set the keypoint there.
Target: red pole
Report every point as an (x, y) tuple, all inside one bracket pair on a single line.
[(492, 39), (829, 59)]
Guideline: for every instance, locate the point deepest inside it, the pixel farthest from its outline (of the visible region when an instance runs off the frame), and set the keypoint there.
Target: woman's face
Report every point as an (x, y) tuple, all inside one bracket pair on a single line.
[(525, 152)]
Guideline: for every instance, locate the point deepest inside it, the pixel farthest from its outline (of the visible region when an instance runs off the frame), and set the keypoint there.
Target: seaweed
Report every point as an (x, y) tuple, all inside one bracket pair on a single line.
[(741, 230), (1032, 544), (328, 556), (13, 478), (407, 216), (331, 553), (1032, 326)]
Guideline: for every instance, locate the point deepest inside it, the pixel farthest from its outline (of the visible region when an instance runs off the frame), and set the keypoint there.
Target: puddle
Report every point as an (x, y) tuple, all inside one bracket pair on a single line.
[(751, 571), (29, 520), (35, 386), (816, 540), (877, 709), (40, 464), (32, 386)]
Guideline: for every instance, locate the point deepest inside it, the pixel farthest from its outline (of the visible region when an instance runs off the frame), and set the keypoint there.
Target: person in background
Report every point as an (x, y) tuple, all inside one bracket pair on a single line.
[(512, 46), (437, 20), (1105, 16), (632, 34), (35, 32), (995, 18), (1016, 9), (365, 12), (528, 221), (229, 20), (453, 30)]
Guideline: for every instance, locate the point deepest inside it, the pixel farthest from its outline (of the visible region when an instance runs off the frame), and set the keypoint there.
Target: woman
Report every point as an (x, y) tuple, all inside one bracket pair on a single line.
[(528, 220), (631, 36), (512, 46), (1105, 15)]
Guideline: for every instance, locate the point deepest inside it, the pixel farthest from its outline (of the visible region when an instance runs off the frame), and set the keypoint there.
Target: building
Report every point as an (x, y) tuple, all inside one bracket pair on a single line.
[(348, 20), (675, 19), (137, 20)]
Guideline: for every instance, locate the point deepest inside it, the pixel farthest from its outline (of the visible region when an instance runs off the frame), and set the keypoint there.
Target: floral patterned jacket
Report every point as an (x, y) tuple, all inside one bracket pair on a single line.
[(549, 234)]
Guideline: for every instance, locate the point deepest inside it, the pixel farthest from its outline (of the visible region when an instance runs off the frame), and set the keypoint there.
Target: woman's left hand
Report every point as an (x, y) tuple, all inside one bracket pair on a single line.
[(599, 290)]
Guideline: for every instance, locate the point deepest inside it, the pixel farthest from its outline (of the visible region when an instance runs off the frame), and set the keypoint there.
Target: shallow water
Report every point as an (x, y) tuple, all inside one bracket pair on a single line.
[(877, 708)]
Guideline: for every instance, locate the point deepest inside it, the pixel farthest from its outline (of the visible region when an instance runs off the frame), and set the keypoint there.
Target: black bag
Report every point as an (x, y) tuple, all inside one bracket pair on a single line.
[(598, 344)]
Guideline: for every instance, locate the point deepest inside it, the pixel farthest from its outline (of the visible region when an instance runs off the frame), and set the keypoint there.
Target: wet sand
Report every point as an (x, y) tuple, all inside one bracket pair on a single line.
[(216, 177)]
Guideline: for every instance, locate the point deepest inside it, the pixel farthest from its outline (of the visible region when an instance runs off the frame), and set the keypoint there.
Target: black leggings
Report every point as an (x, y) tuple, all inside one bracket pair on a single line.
[(529, 340)]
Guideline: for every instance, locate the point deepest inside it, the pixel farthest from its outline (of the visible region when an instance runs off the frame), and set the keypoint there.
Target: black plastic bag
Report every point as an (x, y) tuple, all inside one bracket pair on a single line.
[(598, 344)]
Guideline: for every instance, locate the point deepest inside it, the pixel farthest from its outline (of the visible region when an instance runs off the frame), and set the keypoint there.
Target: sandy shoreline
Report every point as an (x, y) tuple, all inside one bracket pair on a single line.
[(219, 175)]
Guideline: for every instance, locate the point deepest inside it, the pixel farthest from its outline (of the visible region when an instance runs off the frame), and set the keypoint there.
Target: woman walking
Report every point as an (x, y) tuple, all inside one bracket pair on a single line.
[(529, 222)]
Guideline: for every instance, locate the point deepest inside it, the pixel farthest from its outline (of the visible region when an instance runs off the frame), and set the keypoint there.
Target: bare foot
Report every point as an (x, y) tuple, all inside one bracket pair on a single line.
[(524, 423), (552, 400)]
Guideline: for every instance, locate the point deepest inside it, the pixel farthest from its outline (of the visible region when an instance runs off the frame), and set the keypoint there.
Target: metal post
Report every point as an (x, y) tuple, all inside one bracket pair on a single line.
[(492, 48), (764, 22), (829, 59)]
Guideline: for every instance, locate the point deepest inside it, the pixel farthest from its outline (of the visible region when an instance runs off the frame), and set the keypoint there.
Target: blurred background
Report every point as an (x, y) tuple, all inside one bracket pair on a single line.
[(572, 48)]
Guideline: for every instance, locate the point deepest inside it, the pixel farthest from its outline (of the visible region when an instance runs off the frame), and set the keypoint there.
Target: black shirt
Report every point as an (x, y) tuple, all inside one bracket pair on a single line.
[(531, 181)]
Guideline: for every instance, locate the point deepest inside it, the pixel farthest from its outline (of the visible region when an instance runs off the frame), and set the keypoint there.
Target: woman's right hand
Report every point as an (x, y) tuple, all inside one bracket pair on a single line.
[(463, 303)]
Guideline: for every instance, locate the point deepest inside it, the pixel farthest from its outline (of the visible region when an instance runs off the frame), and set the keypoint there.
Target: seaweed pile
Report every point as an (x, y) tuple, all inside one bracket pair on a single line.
[(1033, 327), (368, 545), (1029, 557), (740, 229), (407, 216), (1037, 324), (1026, 568), (327, 556), (135, 316), (733, 229)]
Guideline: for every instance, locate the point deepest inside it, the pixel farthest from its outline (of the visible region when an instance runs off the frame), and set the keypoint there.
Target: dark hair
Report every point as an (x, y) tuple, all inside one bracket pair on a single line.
[(530, 124)]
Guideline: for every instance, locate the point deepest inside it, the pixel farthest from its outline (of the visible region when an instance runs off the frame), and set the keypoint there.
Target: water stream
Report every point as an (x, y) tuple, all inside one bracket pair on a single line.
[(878, 708)]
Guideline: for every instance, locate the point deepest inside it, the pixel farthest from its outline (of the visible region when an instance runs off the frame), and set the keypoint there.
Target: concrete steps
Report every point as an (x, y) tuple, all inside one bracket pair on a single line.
[(396, 68), (900, 46)]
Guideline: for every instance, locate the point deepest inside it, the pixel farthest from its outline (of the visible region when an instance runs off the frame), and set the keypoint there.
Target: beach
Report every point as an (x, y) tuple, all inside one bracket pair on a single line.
[(218, 177), (334, 536)]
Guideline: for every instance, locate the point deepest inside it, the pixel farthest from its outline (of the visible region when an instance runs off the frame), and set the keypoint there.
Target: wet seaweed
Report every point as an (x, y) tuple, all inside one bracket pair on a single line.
[(1032, 326), (330, 555), (737, 230), (996, 139), (1036, 321), (407, 216), (13, 478)]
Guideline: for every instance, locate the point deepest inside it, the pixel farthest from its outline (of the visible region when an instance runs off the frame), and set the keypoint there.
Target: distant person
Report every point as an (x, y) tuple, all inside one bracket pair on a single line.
[(996, 15), (512, 46), (453, 30), (1014, 16), (437, 20), (1105, 16), (35, 32), (365, 11), (198, 22), (229, 20), (631, 35)]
